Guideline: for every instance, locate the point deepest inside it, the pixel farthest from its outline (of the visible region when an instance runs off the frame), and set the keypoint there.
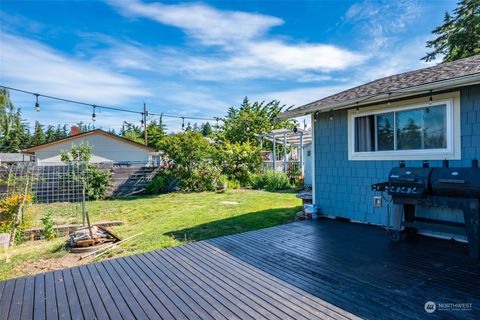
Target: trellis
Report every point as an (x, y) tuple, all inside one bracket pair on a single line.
[(49, 184)]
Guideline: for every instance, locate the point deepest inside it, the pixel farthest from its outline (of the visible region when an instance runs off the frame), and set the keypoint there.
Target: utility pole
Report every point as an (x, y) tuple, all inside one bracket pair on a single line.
[(145, 114)]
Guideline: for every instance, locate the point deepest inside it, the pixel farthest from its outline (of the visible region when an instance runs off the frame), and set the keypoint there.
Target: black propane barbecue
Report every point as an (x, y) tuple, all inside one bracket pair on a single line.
[(456, 188)]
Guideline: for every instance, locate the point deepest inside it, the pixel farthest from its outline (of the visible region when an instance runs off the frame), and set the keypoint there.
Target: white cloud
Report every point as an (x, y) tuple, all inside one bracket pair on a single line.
[(204, 23), (380, 21), (242, 47), (33, 66)]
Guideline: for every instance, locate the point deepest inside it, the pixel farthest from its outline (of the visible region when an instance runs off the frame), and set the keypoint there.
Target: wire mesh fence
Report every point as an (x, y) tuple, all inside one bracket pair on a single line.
[(59, 188)]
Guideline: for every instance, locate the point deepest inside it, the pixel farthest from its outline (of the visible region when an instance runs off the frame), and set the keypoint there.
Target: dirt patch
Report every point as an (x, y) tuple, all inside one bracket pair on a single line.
[(43, 265)]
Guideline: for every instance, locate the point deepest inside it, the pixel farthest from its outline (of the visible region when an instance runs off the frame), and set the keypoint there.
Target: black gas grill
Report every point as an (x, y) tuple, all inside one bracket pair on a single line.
[(445, 187)]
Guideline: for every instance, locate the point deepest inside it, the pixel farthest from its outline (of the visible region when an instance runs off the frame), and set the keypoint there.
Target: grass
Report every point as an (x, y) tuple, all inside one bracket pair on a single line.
[(165, 220)]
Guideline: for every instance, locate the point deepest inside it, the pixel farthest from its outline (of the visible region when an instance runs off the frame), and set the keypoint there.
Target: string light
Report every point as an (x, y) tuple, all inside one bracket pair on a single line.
[(389, 102), (183, 123), (37, 105), (141, 120), (315, 116), (430, 100), (295, 130), (331, 114), (358, 109), (94, 116)]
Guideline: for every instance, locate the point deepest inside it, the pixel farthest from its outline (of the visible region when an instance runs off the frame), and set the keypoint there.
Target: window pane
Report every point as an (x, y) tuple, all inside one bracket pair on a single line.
[(435, 127), (409, 129), (364, 134), (422, 128), (385, 131)]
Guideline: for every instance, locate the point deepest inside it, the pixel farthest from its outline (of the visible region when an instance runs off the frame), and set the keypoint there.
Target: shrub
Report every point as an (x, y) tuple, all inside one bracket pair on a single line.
[(271, 181), (203, 178), (255, 180), (47, 222), (187, 151), (239, 161), (233, 184), (163, 182), (8, 210), (98, 182)]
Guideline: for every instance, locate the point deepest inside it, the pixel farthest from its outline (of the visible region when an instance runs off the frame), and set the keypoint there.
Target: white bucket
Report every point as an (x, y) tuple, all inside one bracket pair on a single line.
[(4, 240), (310, 211)]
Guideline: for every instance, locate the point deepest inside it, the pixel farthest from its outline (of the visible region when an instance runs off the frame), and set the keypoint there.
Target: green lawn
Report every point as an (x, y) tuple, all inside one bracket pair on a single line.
[(165, 220)]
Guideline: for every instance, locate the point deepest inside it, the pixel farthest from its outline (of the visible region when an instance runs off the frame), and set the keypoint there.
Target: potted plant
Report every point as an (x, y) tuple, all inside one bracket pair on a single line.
[(222, 183)]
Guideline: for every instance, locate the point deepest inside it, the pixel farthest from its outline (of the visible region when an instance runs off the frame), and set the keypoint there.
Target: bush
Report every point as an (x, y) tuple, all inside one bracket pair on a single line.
[(98, 182), (158, 185), (8, 210), (233, 184), (239, 161), (163, 182), (203, 178), (47, 222), (271, 181)]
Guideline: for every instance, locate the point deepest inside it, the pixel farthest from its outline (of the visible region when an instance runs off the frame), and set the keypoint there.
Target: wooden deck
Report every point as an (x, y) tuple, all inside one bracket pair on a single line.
[(309, 270)]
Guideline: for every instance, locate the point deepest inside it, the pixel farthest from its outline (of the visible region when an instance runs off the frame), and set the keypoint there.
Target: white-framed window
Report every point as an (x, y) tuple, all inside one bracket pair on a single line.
[(416, 131)]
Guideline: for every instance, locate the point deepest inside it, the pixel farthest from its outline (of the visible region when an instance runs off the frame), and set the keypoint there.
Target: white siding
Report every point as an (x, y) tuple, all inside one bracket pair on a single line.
[(105, 149)]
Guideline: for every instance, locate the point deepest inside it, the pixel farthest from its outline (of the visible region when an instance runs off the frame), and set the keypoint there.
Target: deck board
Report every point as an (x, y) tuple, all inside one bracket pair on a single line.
[(308, 270)]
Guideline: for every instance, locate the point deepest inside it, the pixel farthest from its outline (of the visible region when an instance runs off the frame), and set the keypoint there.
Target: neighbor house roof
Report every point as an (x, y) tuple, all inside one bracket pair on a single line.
[(86, 134), (440, 77)]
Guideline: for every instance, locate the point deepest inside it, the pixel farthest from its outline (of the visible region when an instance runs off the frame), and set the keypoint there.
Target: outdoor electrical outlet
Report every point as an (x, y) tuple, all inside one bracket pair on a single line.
[(377, 202)]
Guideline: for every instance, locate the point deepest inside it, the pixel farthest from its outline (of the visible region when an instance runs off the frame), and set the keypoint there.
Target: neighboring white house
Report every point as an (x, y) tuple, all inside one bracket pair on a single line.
[(107, 148)]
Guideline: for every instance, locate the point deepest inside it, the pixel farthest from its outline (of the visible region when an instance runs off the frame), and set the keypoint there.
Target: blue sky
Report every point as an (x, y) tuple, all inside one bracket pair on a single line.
[(199, 58)]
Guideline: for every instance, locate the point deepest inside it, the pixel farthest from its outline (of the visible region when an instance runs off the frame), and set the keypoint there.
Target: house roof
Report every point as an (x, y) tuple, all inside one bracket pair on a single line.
[(86, 134), (440, 77)]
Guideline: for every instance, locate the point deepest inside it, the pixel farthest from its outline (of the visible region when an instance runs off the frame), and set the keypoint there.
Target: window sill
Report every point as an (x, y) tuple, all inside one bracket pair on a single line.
[(410, 155)]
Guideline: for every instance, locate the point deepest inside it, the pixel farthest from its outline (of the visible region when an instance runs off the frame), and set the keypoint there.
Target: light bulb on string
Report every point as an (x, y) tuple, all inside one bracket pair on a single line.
[(430, 100), (331, 114), (94, 116), (357, 110), (183, 123), (389, 102), (37, 105)]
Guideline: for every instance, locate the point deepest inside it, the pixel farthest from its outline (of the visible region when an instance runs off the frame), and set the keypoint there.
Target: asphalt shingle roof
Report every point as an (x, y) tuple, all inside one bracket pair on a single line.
[(440, 72)]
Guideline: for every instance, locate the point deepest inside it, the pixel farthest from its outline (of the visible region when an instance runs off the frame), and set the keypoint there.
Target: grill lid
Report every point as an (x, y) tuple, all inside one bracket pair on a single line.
[(456, 182)]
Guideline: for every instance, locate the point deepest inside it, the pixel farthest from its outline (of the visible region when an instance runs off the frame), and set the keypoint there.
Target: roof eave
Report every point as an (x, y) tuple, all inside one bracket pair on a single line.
[(396, 94)]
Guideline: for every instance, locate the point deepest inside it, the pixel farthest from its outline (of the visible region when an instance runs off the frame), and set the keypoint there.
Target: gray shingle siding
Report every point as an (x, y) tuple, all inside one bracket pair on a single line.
[(342, 187)]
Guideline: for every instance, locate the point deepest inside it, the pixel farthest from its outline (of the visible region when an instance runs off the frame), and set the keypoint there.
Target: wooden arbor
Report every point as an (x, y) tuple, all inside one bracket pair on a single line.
[(293, 142)]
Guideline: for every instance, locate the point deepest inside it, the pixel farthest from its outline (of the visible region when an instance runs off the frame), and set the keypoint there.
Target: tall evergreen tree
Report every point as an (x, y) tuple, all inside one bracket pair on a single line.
[(206, 129), (14, 132), (39, 135), (459, 35)]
